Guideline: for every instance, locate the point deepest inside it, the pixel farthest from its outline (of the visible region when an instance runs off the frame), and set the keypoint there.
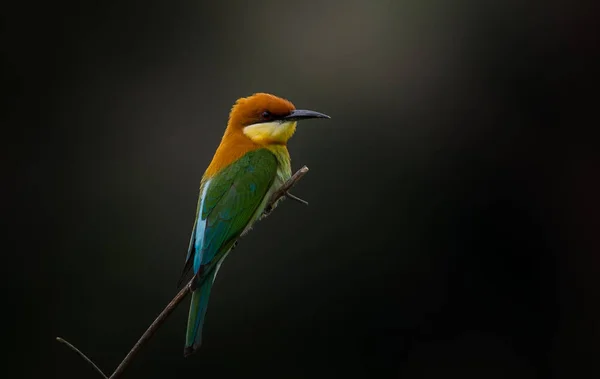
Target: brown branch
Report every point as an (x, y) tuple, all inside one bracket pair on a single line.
[(82, 356), (296, 198), (152, 329), (282, 192)]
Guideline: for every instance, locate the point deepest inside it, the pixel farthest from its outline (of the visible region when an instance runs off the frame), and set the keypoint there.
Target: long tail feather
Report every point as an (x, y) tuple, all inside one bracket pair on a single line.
[(199, 304)]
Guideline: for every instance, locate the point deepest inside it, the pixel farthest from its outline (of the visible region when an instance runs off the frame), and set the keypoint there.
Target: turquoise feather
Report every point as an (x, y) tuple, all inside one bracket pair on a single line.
[(198, 307), (229, 202)]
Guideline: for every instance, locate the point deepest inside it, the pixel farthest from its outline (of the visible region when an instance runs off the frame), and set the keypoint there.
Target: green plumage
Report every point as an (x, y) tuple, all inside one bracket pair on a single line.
[(230, 201)]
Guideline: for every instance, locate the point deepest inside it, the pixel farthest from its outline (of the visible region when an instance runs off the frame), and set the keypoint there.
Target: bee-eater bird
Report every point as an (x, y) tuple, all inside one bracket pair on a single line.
[(251, 162)]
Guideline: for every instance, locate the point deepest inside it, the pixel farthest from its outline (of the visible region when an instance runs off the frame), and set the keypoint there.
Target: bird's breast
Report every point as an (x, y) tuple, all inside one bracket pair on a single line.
[(284, 172)]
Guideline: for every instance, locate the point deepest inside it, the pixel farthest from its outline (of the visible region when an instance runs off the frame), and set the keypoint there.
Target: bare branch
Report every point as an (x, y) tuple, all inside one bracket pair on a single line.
[(152, 329), (288, 185), (296, 198), (283, 191), (81, 355)]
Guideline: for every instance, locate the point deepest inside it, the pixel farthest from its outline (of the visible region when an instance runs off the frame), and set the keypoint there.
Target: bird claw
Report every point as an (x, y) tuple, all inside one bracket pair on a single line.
[(266, 212)]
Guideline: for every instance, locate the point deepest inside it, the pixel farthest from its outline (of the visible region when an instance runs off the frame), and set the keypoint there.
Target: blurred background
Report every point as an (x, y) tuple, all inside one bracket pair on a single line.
[(453, 217)]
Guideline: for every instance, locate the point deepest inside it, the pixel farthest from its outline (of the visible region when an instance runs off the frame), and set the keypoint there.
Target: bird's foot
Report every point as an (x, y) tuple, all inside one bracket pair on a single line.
[(267, 211)]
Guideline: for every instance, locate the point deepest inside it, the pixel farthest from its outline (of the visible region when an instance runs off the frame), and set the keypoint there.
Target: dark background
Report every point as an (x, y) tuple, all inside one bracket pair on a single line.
[(452, 225)]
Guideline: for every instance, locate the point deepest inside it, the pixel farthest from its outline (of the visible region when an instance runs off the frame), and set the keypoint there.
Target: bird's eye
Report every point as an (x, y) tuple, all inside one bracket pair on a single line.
[(266, 115)]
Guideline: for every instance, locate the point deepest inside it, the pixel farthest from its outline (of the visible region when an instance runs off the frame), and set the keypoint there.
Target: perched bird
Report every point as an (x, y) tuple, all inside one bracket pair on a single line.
[(251, 162)]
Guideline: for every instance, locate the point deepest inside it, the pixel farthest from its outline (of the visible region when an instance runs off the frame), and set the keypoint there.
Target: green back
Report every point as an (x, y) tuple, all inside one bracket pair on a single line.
[(231, 199)]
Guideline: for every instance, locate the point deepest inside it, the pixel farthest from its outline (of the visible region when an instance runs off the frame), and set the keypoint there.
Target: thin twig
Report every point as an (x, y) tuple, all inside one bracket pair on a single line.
[(296, 198), (152, 329), (81, 355), (283, 191), (285, 187)]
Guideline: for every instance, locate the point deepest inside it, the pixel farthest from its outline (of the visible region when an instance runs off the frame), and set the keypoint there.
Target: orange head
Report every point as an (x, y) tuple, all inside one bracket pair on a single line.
[(267, 119), (260, 120)]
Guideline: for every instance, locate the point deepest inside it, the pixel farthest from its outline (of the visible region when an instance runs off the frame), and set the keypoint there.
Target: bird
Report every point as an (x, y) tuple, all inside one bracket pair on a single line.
[(251, 162)]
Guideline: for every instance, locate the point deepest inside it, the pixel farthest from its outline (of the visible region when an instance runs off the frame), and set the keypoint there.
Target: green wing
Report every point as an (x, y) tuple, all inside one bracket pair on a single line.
[(227, 203)]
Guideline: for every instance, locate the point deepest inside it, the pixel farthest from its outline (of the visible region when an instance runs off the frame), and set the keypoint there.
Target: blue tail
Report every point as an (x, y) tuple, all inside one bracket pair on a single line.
[(193, 337)]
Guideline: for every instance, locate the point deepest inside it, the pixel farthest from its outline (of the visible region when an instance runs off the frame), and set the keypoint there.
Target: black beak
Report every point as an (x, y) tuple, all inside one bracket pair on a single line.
[(301, 114)]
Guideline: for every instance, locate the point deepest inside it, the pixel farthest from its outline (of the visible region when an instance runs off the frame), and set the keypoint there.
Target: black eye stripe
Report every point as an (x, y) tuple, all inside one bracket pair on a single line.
[(268, 116)]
